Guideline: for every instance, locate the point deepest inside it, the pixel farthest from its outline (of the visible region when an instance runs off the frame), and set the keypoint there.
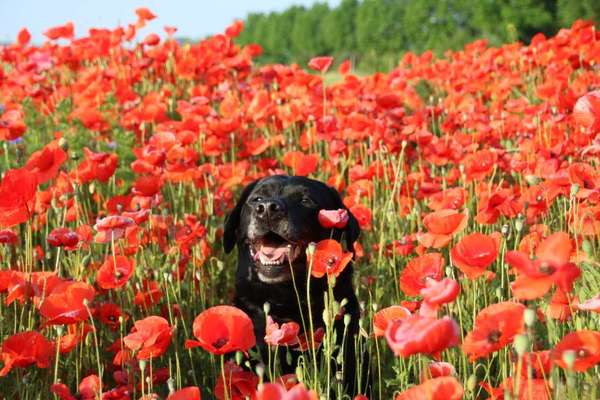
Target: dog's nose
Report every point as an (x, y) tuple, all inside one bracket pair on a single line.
[(270, 208)]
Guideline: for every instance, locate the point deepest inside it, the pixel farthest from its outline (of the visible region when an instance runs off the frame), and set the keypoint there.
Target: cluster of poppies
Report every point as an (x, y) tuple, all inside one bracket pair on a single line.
[(474, 179)]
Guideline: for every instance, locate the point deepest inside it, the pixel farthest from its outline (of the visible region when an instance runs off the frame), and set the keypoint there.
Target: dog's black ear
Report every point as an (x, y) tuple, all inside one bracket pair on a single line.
[(232, 221), (352, 229)]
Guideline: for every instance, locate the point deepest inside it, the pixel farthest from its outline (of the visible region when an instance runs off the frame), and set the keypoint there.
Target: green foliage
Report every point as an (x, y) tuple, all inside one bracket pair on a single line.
[(375, 33)]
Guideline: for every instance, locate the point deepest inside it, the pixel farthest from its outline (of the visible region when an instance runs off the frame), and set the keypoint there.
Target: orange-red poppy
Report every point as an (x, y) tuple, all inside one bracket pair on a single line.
[(320, 64), (45, 163), (587, 110), (474, 253), (386, 316), (17, 192), (301, 164), (187, 393), (67, 303), (284, 335), (495, 327), (328, 258), (239, 384), (63, 237), (441, 226), (149, 338), (24, 349), (422, 335), (584, 346), (552, 266), (413, 276), (115, 272), (112, 228), (223, 329), (442, 388), (437, 369)]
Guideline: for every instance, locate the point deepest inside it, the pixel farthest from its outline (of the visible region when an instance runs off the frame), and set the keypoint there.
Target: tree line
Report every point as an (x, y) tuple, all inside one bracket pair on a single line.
[(374, 33)]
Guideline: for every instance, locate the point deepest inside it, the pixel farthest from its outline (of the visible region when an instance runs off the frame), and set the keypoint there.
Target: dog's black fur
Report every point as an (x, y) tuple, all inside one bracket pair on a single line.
[(286, 208)]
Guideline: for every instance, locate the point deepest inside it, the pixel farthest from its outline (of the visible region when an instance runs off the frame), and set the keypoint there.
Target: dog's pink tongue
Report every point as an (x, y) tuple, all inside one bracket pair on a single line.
[(273, 252)]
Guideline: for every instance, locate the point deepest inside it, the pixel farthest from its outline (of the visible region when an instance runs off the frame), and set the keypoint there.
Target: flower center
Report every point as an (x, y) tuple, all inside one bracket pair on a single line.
[(220, 343), (546, 268), (494, 336)]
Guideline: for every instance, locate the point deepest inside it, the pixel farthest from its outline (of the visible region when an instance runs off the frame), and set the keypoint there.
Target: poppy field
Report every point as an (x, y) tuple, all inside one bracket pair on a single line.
[(474, 178)]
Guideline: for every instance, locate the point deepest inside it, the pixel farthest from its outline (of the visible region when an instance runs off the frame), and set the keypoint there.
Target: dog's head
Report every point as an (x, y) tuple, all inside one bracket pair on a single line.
[(276, 218)]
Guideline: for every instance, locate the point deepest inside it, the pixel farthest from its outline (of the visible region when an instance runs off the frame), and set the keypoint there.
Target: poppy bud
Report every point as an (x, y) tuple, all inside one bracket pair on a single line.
[(529, 317), (347, 319), (574, 189), (260, 370), (521, 343), (505, 230), (239, 357), (472, 383), (310, 249), (519, 225), (569, 357), (142, 365), (171, 385), (266, 308)]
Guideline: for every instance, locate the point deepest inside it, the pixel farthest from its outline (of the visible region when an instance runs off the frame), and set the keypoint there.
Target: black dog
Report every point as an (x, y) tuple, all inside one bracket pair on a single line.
[(272, 224)]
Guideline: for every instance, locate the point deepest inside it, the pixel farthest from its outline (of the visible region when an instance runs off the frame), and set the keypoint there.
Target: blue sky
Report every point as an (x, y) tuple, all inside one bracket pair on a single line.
[(194, 19)]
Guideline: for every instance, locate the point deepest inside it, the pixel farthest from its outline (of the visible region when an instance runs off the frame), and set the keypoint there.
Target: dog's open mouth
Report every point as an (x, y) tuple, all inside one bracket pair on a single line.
[(273, 250)]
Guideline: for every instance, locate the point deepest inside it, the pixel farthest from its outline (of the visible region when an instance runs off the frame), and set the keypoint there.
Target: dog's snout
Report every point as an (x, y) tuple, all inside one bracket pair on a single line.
[(270, 208)]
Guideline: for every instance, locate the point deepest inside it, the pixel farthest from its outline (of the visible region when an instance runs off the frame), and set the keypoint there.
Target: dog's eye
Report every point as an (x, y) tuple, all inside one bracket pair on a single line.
[(307, 201), (258, 199)]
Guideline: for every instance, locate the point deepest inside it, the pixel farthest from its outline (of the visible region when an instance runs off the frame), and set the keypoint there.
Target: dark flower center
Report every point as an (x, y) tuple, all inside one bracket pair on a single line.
[(494, 336), (546, 268), (220, 343)]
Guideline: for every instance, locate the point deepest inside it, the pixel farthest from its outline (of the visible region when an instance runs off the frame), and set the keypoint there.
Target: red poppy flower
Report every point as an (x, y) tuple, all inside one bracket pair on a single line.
[(345, 67), (442, 225), (304, 343), (63, 237), (320, 64), (111, 228), (240, 384), (17, 192), (328, 258), (223, 329), (422, 335), (149, 295), (66, 303), (144, 14), (65, 31), (234, 29), (495, 327), (90, 387), (109, 314), (187, 393), (551, 266), (363, 215), (437, 293), (437, 369), (383, 318), (24, 349), (333, 218), (301, 164), (76, 333), (150, 337), (96, 166), (115, 272), (275, 391), (284, 335), (7, 236), (453, 198), (474, 253), (528, 389), (585, 346), (62, 391), (587, 111), (443, 388), (413, 276), (45, 163)]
